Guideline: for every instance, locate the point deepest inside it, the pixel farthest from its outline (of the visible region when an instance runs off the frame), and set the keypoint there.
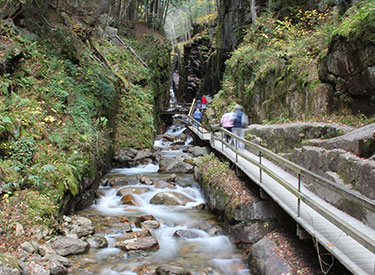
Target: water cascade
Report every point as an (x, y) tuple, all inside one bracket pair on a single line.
[(174, 233)]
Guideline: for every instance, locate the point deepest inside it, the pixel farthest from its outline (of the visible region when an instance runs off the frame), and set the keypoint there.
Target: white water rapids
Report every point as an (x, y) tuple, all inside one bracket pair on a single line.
[(209, 252)]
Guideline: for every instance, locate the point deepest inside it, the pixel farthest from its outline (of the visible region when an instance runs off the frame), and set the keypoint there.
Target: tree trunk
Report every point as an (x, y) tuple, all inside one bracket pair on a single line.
[(165, 12), (119, 14), (253, 11)]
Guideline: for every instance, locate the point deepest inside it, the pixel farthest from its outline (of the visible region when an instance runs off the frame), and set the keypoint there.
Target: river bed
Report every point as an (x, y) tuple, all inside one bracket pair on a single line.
[(188, 237)]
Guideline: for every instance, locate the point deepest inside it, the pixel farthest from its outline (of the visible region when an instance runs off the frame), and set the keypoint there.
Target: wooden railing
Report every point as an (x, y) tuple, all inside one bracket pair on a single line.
[(363, 201)]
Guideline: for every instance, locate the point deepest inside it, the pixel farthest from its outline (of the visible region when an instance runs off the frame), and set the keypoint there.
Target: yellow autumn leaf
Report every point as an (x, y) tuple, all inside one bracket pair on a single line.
[(49, 119)]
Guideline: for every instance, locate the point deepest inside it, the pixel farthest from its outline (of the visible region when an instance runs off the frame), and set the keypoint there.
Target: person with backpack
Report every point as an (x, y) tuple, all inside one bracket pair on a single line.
[(241, 121), (198, 101)]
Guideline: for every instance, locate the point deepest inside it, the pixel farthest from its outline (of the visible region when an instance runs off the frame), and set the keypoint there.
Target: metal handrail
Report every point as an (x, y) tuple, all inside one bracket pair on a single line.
[(357, 235), (362, 200)]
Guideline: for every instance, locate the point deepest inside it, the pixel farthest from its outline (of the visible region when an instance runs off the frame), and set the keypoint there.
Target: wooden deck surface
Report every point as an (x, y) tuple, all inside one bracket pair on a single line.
[(348, 251)]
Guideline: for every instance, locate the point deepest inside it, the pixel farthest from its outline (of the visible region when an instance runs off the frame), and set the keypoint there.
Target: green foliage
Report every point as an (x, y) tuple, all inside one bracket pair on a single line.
[(23, 151), (5, 125), (212, 168), (277, 60), (136, 119), (58, 111), (359, 23), (56, 107), (136, 115)]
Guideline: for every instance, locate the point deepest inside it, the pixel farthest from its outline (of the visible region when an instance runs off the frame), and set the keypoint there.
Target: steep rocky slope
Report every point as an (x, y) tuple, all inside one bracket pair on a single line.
[(68, 84)]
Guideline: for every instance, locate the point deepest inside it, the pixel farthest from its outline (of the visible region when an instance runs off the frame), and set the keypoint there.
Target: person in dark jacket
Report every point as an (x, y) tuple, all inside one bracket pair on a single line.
[(241, 121), (198, 101)]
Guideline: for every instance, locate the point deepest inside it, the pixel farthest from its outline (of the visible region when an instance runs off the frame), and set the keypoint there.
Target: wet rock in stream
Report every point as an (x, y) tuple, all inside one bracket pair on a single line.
[(172, 178), (134, 235), (112, 225), (97, 241), (146, 180), (140, 219), (163, 185), (133, 157), (137, 240), (132, 190), (146, 243), (150, 224), (70, 245), (117, 182), (188, 234), (129, 199), (175, 165), (171, 198), (168, 137), (171, 269)]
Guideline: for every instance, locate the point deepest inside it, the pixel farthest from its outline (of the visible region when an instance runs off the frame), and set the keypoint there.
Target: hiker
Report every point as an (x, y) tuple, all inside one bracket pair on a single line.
[(204, 103), (227, 122), (197, 116), (241, 121), (198, 101)]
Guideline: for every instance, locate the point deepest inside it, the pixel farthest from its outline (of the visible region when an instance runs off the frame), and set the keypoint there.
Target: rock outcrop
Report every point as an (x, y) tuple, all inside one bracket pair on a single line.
[(192, 68), (283, 138), (349, 70)]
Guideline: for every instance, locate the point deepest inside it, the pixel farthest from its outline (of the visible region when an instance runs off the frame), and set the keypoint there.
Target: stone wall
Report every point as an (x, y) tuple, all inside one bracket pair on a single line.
[(248, 217), (341, 154)]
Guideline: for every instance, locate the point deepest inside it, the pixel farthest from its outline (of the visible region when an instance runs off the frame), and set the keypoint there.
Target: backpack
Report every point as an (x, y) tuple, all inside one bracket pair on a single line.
[(238, 119)]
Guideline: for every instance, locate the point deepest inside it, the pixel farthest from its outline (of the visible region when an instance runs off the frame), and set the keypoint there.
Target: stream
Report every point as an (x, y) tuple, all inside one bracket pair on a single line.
[(181, 239)]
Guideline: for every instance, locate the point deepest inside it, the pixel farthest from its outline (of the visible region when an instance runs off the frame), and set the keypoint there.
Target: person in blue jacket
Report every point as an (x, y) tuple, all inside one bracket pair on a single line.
[(240, 121), (197, 115)]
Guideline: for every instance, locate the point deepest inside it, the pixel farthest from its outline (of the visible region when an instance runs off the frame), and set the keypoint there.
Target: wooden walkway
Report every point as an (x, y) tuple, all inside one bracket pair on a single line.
[(177, 109), (351, 253)]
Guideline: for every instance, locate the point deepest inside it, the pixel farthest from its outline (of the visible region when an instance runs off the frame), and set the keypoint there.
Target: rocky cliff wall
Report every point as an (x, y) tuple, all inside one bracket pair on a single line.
[(192, 67), (348, 69)]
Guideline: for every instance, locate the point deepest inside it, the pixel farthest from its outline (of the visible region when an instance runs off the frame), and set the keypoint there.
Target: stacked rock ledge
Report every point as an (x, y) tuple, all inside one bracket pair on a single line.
[(341, 154)]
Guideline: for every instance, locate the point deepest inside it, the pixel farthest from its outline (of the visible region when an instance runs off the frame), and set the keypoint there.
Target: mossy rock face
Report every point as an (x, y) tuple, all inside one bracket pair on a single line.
[(348, 68), (9, 265)]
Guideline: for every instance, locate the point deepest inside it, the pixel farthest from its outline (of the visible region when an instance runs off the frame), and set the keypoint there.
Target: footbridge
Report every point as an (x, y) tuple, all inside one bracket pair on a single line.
[(178, 108), (348, 239)]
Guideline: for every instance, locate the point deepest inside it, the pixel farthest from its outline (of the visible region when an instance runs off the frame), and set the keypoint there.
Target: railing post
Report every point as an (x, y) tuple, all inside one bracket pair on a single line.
[(260, 168), (299, 201), (236, 150), (222, 141)]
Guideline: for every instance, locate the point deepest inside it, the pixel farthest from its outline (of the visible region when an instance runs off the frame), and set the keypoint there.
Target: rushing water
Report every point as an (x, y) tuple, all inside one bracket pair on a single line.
[(209, 251)]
